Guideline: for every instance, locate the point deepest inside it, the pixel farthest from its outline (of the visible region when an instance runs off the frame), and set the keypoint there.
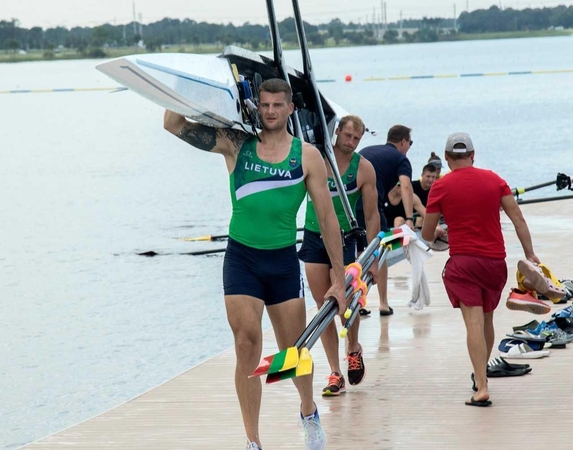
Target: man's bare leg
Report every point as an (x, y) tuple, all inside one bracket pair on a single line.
[(318, 277), (477, 347), (489, 332), (383, 287), (289, 321), (244, 314)]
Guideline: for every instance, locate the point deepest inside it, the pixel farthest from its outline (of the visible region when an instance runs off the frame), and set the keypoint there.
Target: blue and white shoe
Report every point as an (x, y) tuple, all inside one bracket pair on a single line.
[(253, 446), (314, 436), (567, 312), (537, 331)]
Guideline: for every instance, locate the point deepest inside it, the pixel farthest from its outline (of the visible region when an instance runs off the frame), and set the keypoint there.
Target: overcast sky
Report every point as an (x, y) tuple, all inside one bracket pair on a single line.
[(70, 13)]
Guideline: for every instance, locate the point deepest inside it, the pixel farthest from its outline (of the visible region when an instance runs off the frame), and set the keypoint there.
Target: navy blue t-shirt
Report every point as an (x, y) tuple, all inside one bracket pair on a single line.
[(389, 164)]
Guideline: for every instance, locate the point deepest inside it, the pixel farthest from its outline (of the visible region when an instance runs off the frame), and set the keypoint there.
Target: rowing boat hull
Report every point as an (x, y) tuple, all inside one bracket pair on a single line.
[(199, 87), (203, 87)]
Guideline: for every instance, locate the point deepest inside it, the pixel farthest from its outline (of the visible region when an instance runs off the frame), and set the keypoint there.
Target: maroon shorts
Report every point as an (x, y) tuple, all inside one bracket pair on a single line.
[(475, 281)]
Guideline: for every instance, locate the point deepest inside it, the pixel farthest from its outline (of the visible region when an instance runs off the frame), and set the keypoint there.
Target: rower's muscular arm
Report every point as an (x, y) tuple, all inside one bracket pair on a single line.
[(317, 187), (369, 198), (226, 141)]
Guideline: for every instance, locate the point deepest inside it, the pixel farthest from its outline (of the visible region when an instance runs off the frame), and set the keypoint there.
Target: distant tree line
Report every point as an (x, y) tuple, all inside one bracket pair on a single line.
[(175, 32)]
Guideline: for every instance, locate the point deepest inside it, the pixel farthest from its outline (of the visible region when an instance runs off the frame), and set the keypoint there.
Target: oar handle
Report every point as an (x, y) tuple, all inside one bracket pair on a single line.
[(329, 317), (316, 320), (353, 307)]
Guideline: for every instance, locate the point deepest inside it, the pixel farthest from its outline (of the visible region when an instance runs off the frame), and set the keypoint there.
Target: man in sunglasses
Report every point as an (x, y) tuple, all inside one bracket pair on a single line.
[(391, 166)]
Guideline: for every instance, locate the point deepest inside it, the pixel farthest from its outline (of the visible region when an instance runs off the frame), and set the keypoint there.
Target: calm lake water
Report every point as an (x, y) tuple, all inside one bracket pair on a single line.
[(90, 178)]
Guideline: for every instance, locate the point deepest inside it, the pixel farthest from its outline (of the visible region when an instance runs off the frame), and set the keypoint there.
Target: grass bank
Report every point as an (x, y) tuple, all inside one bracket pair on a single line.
[(41, 55)]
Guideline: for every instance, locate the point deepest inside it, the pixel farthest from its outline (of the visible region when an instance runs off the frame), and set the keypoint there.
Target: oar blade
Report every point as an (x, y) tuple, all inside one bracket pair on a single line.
[(303, 368), (279, 362), (195, 239), (395, 239)]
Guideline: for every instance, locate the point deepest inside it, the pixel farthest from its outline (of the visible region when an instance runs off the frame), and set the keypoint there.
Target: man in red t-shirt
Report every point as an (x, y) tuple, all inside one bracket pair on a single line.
[(476, 273)]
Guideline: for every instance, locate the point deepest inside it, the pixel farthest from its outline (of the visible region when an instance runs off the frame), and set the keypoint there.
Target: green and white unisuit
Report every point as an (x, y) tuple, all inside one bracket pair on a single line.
[(350, 183), (266, 197)]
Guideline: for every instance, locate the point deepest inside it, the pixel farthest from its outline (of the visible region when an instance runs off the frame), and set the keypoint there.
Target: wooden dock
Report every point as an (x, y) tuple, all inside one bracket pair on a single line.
[(418, 377)]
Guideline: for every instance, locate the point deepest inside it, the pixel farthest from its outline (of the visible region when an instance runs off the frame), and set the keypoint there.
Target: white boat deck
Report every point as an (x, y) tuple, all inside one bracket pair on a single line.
[(412, 396)]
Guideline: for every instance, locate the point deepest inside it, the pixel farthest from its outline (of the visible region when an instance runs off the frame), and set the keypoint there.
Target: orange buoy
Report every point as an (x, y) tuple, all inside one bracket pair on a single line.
[(348, 78)]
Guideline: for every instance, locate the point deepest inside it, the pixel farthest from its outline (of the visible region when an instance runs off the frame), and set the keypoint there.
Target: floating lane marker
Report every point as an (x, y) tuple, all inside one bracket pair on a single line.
[(327, 80), (469, 75), (44, 91)]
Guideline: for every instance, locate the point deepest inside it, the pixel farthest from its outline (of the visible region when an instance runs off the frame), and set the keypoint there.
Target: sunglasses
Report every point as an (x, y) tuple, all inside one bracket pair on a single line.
[(410, 141)]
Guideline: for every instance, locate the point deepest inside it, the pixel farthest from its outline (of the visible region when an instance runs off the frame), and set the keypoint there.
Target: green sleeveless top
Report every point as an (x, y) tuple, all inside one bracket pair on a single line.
[(266, 197), (350, 182)]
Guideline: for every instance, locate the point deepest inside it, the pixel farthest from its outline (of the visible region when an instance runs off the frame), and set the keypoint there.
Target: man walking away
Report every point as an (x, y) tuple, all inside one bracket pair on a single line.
[(476, 272)]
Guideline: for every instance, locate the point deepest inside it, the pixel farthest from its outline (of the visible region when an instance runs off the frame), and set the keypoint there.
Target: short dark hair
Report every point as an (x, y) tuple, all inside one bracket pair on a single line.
[(429, 168), (398, 132), (458, 156), (356, 122), (275, 86)]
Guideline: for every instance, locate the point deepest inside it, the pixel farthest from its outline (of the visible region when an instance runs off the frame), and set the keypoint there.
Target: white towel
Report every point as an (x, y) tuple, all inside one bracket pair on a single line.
[(417, 252)]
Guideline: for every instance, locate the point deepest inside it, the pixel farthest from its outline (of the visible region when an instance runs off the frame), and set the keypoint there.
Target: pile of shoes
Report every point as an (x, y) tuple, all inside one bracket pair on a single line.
[(532, 340), (536, 281)]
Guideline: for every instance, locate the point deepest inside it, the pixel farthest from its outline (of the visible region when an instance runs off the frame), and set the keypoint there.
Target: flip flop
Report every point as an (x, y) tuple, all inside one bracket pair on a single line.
[(499, 371), (512, 365), (473, 378), (528, 326), (524, 351), (474, 402), (364, 312), (387, 313), (534, 344), (525, 336), (499, 367)]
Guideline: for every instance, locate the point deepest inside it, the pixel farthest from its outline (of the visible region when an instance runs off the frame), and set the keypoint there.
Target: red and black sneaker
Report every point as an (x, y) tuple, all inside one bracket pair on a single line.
[(356, 369), (336, 385)]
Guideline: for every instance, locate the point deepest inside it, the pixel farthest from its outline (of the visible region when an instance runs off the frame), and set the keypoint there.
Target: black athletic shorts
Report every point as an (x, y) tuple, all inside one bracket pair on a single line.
[(314, 251), (273, 276), (362, 223)]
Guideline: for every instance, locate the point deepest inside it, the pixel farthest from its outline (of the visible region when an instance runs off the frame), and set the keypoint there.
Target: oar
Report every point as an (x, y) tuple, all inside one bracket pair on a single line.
[(541, 200), (294, 122), (355, 288), (311, 81), (304, 366), (213, 237), (152, 253), (353, 309), (562, 181), (289, 359)]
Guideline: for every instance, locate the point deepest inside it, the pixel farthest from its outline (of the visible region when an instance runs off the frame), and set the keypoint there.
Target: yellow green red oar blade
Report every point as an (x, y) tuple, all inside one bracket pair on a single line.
[(279, 362), (303, 368), (194, 239), (393, 240)]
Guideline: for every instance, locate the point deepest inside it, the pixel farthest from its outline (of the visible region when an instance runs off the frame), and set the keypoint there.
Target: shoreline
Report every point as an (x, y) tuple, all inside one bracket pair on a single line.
[(116, 52)]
